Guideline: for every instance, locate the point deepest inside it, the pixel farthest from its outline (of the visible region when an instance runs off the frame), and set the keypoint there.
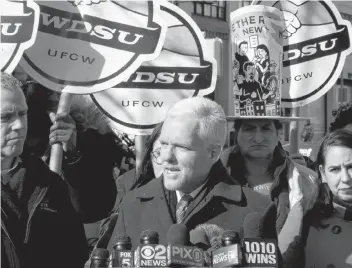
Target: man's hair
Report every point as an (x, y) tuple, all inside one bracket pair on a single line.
[(210, 115), (343, 117), (242, 43), (246, 64), (9, 82)]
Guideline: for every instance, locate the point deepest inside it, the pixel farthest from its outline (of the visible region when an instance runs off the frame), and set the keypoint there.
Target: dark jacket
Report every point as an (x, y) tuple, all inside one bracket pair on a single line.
[(54, 234), (124, 184), (220, 202), (91, 181), (284, 170)]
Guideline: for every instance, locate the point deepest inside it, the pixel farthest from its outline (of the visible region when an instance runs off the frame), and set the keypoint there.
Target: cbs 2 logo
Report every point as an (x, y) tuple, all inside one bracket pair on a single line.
[(157, 252)]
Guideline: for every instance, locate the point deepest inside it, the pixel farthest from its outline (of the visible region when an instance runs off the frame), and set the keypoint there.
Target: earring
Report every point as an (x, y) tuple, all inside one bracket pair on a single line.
[(321, 171)]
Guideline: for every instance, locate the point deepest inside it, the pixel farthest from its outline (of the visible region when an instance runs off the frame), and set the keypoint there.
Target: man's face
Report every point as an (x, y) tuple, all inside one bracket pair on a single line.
[(250, 72), (13, 122), (257, 138), (185, 157), (272, 68), (244, 48)]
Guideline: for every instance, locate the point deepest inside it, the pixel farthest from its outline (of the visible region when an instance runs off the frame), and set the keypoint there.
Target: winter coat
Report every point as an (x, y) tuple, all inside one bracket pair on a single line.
[(54, 235)]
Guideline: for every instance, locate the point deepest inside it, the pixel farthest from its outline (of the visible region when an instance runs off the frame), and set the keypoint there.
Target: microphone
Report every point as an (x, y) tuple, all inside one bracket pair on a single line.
[(213, 233), (230, 253), (180, 253), (199, 239), (253, 225), (149, 253), (99, 258), (122, 255), (256, 250), (211, 230)]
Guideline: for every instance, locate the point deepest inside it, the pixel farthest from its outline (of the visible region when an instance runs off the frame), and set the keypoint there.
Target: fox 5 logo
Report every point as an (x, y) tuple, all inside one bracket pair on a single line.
[(126, 258)]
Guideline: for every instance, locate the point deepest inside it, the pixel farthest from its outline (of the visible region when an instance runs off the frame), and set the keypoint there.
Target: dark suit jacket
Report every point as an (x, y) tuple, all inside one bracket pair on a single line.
[(221, 202)]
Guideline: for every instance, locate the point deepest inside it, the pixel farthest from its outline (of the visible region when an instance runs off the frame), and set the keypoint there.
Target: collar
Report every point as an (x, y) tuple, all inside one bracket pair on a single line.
[(193, 194), (7, 174), (219, 184), (342, 212), (278, 164)]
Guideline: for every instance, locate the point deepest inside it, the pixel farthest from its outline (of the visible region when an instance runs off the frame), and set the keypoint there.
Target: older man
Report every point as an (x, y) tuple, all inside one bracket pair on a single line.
[(39, 226), (195, 187)]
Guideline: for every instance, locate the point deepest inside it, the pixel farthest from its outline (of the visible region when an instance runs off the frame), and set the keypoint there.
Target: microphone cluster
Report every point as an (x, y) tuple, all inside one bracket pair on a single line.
[(205, 246)]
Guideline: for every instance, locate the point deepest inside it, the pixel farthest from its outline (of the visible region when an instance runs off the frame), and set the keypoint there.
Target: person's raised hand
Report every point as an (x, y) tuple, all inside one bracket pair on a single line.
[(63, 131)]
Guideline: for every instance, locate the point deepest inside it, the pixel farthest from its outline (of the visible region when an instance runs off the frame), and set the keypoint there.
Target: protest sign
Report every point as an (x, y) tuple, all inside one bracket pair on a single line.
[(182, 70), (19, 26), (257, 53), (316, 43), (83, 47)]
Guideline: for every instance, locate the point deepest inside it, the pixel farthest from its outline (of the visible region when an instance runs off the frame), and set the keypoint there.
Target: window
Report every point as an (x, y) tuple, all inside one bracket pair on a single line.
[(346, 16), (342, 95), (214, 9), (246, 3)]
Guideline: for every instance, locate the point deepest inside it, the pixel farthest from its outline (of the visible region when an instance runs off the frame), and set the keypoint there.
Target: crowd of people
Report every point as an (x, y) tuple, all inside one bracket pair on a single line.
[(187, 176)]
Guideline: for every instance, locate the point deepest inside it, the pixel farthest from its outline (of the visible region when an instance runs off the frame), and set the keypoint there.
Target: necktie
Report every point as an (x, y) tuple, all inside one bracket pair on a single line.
[(181, 207)]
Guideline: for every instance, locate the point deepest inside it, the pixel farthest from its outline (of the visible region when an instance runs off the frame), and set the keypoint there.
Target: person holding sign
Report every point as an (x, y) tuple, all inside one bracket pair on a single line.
[(241, 56), (329, 240), (40, 227), (89, 149), (250, 88)]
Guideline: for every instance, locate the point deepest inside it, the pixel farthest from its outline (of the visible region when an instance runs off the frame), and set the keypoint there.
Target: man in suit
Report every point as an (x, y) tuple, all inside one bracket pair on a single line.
[(195, 188)]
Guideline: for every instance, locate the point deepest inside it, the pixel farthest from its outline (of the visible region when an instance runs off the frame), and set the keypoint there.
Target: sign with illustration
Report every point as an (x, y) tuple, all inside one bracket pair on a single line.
[(19, 26), (257, 54), (182, 70), (316, 43), (83, 47)]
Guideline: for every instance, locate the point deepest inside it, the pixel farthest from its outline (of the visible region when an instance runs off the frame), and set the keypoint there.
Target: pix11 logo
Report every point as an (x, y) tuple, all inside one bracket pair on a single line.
[(19, 25)]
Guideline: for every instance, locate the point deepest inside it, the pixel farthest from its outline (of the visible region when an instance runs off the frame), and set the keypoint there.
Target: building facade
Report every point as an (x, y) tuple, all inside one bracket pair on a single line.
[(213, 17)]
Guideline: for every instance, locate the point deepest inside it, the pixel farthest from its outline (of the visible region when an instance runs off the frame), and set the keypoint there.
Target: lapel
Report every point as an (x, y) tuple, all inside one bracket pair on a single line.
[(218, 184), (155, 202)]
